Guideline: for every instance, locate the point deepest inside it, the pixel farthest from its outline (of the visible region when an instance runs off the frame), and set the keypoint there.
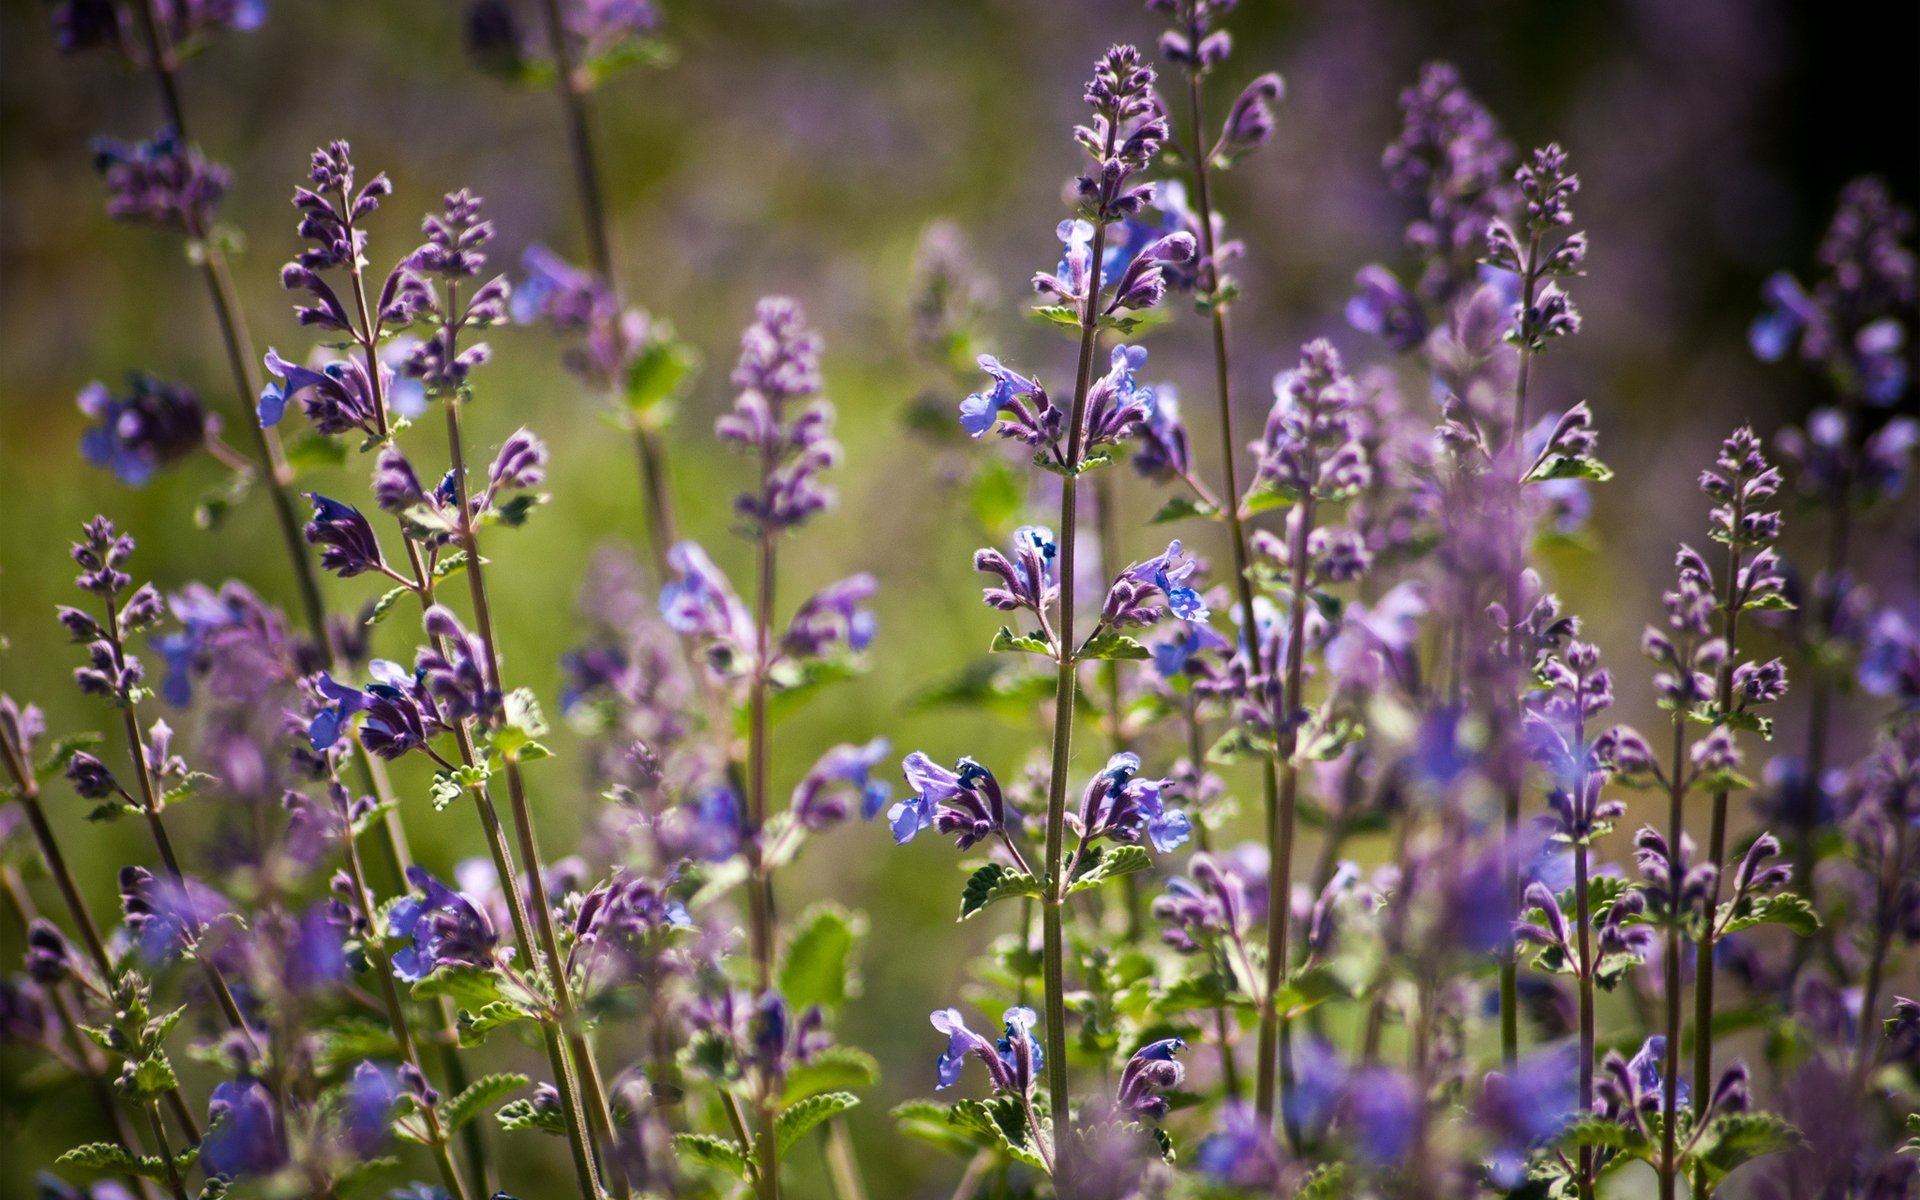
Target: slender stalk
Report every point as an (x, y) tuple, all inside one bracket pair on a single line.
[(1717, 838), (1053, 941), (760, 882), (843, 1169), (1280, 895), (1867, 1040), (571, 87), (397, 1016), (1669, 1165), (593, 1097), (1820, 706), (174, 1183), (1583, 918), (1278, 810)]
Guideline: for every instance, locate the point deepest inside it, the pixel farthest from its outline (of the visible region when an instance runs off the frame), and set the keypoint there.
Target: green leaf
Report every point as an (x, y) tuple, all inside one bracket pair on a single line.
[(1093, 460), (1112, 644), (383, 607), (477, 1096), (514, 513), (149, 1077), (350, 1039), (1101, 863), (1736, 1138), (1567, 466), (448, 786), (56, 759), (658, 375), (1787, 909), (997, 495), (360, 1173), (1066, 316), (99, 1156), (818, 968), (1598, 1132), (796, 1122), (722, 1154), (1308, 988), (474, 987), (1241, 744), (210, 512), (1191, 992), (112, 810), (425, 520), (1007, 641), (932, 1123), (837, 1068), (1004, 1121), (517, 1115), (523, 722), (1327, 1182), (995, 882), (1267, 495), (476, 1025), (312, 451), (1182, 508), (451, 564), (1767, 602)]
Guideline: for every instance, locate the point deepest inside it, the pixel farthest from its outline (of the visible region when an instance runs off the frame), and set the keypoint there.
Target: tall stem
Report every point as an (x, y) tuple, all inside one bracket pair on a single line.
[(1053, 941), (760, 881), (1670, 1069), (593, 1094), (1278, 811), (1583, 920), (397, 1016), (1717, 837)]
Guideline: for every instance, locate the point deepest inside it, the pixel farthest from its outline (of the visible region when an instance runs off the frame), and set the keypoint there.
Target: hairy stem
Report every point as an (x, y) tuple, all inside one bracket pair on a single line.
[(1717, 837), (1669, 1165)]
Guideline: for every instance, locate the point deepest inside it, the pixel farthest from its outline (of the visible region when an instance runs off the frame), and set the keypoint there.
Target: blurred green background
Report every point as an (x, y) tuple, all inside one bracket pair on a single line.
[(802, 146)]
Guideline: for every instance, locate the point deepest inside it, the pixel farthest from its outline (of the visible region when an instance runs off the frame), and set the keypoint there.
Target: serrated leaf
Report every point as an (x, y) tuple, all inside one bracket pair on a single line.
[(1065, 316), (1101, 863), (151, 1076), (360, 1173), (451, 564), (477, 1096), (1182, 508), (477, 1024), (56, 759), (383, 607), (995, 882), (722, 1154), (1190, 992), (659, 372), (796, 1122), (1787, 909), (1568, 466), (1736, 1138), (1112, 644), (351, 1039), (931, 1123), (112, 810), (517, 1115), (1007, 642), (99, 1156), (1091, 460), (835, 1069), (1767, 602), (818, 967), (474, 987), (1004, 1122), (312, 451), (1327, 1182), (1241, 744), (1266, 496), (1308, 988)]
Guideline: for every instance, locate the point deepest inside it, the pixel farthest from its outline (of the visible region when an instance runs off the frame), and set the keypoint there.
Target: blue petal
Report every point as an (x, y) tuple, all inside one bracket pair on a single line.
[(1169, 831), (273, 405)]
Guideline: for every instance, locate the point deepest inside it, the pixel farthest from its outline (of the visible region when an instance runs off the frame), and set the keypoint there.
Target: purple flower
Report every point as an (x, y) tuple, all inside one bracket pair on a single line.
[(1118, 803), (966, 802), (1451, 157), (244, 1137), (1161, 451), (336, 398), (163, 183), (445, 928), (1169, 573), (367, 1109), (1381, 1112), (980, 411), (779, 418), (400, 715), (133, 436), (453, 252), (1122, 136), (1013, 1063), (1029, 579), (1242, 1152), (833, 616), (821, 797), (164, 916), (50, 959), (1526, 1105), (1249, 124), (702, 604), (347, 542), (1148, 1075), (1889, 664)]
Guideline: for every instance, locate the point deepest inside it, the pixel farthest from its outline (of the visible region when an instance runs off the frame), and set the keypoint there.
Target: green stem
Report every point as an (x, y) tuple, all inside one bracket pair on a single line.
[(1669, 1165)]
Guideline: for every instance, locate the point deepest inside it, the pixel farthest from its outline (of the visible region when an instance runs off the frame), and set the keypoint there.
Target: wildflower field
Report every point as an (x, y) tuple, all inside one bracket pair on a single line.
[(856, 599)]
